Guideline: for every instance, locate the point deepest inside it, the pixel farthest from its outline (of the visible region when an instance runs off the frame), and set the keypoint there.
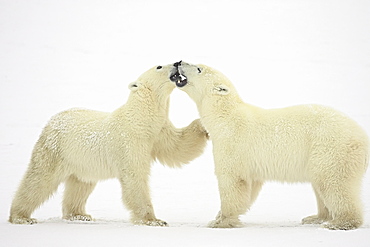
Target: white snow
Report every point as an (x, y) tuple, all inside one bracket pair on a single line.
[(55, 55)]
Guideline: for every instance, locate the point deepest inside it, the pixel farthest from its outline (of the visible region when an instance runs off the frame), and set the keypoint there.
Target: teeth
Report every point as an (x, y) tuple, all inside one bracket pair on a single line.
[(178, 78), (182, 77)]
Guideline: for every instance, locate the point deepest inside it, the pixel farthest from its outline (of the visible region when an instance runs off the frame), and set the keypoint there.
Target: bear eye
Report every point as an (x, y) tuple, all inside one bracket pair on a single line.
[(159, 67), (199, 71)]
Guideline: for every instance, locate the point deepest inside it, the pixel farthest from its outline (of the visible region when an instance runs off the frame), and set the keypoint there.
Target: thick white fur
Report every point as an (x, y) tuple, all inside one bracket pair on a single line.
[(81, 147), (305, 143)]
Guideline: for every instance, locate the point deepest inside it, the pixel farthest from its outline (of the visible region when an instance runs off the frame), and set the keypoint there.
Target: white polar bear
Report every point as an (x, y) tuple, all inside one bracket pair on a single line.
[(81, 147), (306, 143)]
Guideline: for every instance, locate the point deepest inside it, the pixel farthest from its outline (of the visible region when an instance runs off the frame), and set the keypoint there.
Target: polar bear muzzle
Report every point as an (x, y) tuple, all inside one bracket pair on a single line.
[(177, 77)]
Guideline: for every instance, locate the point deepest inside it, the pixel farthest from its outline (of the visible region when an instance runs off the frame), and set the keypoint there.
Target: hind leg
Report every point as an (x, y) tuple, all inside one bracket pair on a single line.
[(343, 202), (256, 188), (75, 197), (345, 207), (135, 195), (322, 215), (35, 188)]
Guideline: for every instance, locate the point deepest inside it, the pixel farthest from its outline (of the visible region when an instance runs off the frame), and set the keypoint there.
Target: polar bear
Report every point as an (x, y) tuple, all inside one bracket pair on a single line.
[(305, 143), (81, 147)]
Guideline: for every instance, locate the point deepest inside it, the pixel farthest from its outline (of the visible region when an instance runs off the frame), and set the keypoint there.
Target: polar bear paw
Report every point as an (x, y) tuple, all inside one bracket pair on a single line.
[(78, 217), (342, 224), (313, 219), (222, 222), (154, 222), (22, 220)]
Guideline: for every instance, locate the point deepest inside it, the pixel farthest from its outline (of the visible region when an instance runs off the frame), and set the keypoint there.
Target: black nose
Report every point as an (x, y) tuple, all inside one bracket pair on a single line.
[(177, 64), (175, 76)]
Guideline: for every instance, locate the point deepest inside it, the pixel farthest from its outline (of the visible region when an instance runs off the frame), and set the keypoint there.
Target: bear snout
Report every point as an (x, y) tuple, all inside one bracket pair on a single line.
[(177, 77), (177, 64), (174, 76)]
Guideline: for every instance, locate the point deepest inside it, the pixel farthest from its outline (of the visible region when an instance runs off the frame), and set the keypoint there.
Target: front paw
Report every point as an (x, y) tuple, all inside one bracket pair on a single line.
[(22, 220), (154, 222), (197, 126), (223, 222), (313, 219), (78, 217)]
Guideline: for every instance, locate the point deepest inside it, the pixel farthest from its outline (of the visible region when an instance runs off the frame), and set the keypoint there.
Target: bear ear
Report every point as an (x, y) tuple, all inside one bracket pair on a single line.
[(133, 86), (221, 90)]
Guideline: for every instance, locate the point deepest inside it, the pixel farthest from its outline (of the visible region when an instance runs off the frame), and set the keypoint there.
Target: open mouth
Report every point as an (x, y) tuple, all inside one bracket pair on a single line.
[(177, 77)]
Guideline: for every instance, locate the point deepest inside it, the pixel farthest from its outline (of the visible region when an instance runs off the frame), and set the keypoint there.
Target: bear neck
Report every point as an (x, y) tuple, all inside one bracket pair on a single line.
[(216, 109), (145, 109)]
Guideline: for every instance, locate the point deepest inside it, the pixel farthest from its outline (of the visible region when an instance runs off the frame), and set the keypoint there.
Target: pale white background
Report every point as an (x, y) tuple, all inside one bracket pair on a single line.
[(55, 55)]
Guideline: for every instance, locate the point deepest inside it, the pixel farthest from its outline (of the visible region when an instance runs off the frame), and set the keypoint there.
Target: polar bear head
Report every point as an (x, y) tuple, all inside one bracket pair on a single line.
[(155, 80), (201, 81)]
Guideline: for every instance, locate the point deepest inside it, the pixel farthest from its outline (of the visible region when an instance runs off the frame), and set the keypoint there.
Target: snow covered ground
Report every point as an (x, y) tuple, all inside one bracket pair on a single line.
[(55, 55)]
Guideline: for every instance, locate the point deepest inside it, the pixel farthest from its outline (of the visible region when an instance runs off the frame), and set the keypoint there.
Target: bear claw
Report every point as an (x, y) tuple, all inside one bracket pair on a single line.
[(342, 225), (225, 223), (313, 219), (22, 220), (155, 222), (78, 217)]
